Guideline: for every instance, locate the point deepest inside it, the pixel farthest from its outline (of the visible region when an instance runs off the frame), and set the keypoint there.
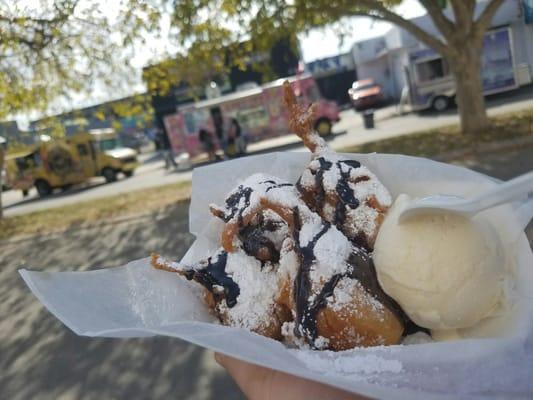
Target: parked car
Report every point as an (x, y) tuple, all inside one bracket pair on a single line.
[(365, 94)]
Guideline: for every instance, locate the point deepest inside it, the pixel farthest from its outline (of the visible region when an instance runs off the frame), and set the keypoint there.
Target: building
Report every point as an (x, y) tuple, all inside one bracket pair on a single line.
[(10, 131), (397, 59), (127, 116), (334, 76)]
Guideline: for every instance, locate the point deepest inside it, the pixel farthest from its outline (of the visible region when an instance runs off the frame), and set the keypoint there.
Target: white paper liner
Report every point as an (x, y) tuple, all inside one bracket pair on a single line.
[(136, 300)]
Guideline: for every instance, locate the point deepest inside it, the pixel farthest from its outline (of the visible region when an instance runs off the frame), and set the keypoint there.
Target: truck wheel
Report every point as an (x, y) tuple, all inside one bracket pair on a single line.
[(441, 103), (128, 174), (109, 174), (43, 188), (323, 127)]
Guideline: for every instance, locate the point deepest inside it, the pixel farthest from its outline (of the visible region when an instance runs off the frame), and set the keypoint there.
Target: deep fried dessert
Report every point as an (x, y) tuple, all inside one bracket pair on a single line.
[(294, 261), (300, 271), (238, 290), (344, 192)]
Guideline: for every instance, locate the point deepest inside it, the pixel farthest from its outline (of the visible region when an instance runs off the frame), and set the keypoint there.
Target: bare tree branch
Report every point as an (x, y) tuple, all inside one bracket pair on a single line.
[(484, 20), (443, 24), (387, 15), (463, 10)]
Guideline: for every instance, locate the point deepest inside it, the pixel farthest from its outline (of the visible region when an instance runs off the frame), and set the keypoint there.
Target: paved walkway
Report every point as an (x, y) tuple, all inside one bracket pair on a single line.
[(40, 358)]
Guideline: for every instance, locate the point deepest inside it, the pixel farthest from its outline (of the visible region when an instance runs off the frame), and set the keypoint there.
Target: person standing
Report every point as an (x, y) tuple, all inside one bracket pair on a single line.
[(207, 140), (236, 144), (166, 149), (221, 127)]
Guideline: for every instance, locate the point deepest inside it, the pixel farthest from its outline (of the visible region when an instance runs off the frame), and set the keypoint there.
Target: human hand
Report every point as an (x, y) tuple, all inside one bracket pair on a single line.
[(259, 383)]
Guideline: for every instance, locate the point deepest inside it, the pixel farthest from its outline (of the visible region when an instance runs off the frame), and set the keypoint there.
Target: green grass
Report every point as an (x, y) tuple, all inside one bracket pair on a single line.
[(87, 212), (439, 141)]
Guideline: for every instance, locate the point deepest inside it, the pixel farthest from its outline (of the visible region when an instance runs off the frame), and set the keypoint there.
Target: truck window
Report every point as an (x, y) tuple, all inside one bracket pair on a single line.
[(432, 69), (256, 117), (82, 150), (109, 144), (313, 94)]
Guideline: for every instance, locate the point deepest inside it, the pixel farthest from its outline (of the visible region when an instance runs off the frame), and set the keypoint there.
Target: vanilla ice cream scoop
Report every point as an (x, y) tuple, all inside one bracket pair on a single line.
[(445, 271)]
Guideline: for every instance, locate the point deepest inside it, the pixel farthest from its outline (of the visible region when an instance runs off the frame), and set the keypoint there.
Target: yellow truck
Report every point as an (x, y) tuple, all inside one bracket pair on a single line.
[(61, 163)]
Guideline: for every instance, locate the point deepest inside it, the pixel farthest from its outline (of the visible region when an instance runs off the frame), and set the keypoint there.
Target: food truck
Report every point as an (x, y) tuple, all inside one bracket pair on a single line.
[(259, 111), (61, 163), (431, 83)]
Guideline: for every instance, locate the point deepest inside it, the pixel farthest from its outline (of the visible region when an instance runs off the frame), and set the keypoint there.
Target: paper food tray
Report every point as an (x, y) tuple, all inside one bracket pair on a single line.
[(135, 300)]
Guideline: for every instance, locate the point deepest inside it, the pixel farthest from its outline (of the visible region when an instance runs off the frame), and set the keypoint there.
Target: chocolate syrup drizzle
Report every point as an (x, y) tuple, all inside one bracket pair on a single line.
[(359, 267), (275, 185), (215, 274), (233, 201), (346, 196), (255, 244)]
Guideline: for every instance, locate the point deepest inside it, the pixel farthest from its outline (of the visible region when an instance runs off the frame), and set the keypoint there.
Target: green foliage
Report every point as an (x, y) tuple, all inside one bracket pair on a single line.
[(52, 49), (207, 28)]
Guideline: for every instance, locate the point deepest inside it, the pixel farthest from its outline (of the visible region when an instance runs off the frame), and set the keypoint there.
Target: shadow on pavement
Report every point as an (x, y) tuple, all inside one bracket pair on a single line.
[(152, 157), (42, 359), (58, 194)]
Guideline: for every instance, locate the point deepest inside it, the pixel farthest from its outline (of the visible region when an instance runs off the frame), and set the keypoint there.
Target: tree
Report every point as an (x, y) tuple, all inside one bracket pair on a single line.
[(53, 49), (210, 24)]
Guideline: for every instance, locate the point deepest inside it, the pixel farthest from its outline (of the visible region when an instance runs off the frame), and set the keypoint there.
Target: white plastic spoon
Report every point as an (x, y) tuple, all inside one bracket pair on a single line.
[(503, 193)]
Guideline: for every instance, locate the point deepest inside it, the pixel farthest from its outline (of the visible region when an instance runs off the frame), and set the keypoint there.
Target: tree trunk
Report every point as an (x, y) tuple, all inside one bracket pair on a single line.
[(466, 69)]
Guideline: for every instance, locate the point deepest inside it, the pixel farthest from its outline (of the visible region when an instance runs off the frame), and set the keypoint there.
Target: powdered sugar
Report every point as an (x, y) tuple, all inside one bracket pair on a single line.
[(308, 231), (348, 363), (321, 145), (331, 252), (337, 174), (288, 262), (362, 219), (178, 267), (307, 179), (258, 289), (349, 292), (260, 282)]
